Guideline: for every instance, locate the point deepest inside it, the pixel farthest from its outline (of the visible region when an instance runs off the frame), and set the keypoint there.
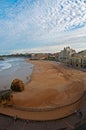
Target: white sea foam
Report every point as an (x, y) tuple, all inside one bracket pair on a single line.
[(4, 66)]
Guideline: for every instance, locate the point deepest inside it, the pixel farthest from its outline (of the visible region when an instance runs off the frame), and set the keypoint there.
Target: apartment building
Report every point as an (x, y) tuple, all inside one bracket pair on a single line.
[(65, 54), (78, 59)]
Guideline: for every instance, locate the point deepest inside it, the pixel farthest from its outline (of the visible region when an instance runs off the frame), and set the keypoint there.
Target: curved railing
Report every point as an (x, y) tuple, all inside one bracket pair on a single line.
[(47, 108)]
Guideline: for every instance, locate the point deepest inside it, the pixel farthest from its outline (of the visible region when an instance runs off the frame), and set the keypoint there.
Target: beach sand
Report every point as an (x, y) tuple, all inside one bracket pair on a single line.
[(51, 84)]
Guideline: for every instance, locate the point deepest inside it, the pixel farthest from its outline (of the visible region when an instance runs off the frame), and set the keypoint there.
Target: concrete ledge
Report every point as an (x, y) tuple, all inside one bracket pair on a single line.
[(54, 113)]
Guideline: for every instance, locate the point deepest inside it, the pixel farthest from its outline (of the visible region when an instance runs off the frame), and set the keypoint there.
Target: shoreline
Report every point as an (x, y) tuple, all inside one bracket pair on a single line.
[(12, 69), (43, 91)]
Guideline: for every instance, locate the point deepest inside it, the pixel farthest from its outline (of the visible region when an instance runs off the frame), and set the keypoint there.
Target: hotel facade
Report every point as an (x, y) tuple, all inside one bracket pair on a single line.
[(71, 58)]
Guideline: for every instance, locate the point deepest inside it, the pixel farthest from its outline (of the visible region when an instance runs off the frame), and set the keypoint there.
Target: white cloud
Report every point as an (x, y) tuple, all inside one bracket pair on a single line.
[(45, 49), (45, 22), (51, 49)]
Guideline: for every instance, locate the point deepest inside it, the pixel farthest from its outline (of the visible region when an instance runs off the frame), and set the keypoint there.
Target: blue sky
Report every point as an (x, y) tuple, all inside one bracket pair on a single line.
[(42, 25)]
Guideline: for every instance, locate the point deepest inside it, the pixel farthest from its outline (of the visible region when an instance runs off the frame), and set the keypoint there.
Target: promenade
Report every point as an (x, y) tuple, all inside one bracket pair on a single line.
[(72, 122)]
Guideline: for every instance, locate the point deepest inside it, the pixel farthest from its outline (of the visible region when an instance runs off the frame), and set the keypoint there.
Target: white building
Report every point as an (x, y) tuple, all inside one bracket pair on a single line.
[(65, 54), (78, 59)]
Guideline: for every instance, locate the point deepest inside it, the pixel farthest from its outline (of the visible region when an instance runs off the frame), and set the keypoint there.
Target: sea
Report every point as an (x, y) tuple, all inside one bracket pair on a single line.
[(12, 68)]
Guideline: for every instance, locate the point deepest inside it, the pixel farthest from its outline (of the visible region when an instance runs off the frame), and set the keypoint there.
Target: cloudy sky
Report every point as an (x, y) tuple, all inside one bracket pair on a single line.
[(42, 25)]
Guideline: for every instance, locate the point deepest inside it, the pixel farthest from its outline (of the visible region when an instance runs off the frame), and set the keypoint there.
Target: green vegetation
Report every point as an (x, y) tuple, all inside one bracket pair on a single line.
[(50, 58)]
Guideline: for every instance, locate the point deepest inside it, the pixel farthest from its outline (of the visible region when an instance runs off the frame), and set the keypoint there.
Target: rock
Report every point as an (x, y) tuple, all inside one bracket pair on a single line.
[(17, 85)]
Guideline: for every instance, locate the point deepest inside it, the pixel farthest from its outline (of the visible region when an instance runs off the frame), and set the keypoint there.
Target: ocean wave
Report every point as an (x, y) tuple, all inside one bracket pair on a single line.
[(13, 60), (4, 66)]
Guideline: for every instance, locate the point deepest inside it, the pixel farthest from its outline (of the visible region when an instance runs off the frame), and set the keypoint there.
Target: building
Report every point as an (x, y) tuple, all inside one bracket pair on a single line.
[(65, 54), (39, 56), (52, 57), (78, 59)]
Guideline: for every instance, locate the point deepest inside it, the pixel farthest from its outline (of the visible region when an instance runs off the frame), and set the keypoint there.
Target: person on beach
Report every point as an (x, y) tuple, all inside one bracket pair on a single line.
[(15, 118), (27, 77), (79, 113)]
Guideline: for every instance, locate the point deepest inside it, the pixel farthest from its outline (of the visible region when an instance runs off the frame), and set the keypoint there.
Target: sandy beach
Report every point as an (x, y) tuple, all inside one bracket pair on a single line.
[(51, 85)]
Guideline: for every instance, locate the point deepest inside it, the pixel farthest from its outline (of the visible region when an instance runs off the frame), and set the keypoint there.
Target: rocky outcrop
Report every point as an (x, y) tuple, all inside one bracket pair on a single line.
[(6, 98), (17, 85)]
